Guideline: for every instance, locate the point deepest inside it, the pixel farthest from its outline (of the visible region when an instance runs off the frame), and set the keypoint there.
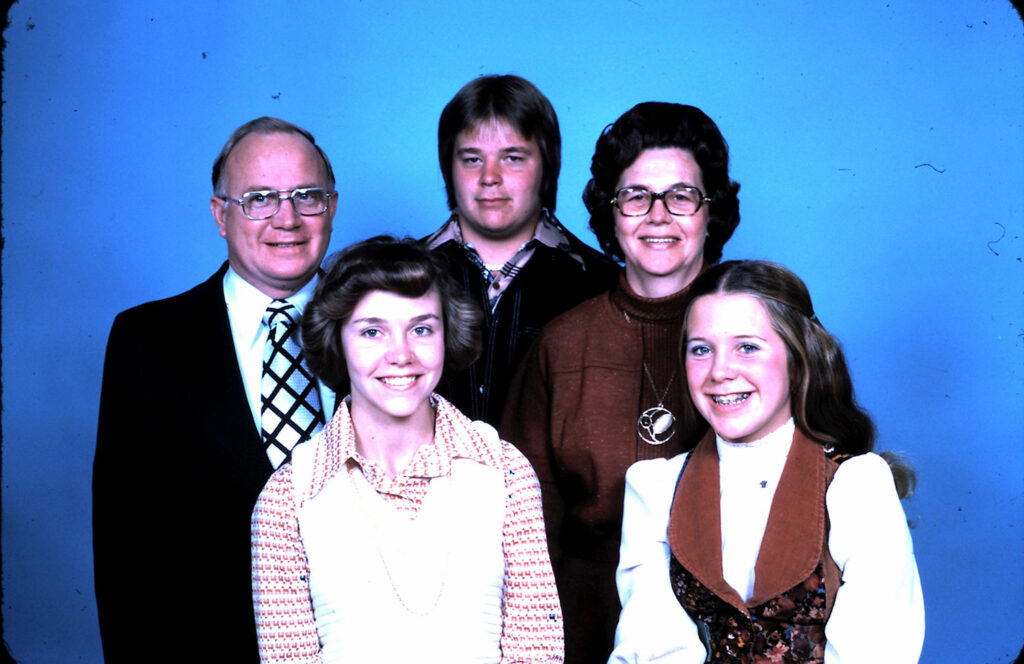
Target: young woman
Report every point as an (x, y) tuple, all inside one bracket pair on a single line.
[(404, 531), (781, 537)]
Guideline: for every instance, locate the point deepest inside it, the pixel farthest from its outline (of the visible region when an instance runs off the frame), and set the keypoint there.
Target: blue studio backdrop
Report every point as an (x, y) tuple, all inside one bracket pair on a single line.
[(879, 144)]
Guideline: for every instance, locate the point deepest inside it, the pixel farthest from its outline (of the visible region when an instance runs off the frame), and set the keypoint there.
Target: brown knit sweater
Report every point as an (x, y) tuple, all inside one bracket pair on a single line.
[(573, 411)]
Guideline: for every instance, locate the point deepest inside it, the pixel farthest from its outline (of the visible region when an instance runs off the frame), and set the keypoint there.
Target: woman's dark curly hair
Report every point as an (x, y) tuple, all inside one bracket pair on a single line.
[(820, 387), (384, 263), (652, 125)]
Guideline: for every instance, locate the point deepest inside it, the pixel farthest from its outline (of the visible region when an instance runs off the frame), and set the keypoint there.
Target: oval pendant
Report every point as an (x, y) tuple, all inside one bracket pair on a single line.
[(656, 425)]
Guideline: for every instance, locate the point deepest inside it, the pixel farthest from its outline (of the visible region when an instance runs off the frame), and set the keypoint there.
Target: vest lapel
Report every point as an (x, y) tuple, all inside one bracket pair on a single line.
[(695, 523), (791, 547)]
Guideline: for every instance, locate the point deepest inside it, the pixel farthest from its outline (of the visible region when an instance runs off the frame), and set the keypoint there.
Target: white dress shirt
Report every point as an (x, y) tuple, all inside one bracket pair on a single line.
[(246, 306)]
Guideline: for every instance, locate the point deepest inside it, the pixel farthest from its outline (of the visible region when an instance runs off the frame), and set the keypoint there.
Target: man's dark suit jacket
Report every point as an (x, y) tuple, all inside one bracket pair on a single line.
[(179, 465)]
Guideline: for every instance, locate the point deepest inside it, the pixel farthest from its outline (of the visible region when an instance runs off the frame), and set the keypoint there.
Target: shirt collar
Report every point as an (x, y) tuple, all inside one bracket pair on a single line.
[(774, 443), (449, 232), (248, 303), (455, 437), (549, 232)]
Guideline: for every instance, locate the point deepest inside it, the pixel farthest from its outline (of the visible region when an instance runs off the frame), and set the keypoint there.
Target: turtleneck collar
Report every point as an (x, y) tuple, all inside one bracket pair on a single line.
[(775, 443), (647, 309)]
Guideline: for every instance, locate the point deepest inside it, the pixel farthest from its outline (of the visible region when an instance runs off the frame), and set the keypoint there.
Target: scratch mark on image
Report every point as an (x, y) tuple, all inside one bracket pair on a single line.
[(931, 167), (998, 239)]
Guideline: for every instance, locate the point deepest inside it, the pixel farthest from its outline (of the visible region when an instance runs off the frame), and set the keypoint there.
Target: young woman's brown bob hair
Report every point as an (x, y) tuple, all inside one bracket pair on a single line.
[(384, 263)]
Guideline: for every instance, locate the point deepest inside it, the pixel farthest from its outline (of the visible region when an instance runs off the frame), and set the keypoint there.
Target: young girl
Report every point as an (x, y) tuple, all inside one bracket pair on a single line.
[(403, 532), (781, 537)]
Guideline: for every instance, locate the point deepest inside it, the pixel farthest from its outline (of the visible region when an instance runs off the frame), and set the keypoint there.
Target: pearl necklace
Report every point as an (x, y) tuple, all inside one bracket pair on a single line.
[(375, 520)]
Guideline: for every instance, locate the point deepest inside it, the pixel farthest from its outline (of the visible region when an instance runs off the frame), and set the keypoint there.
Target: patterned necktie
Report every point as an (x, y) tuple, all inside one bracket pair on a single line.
[(290, 411)]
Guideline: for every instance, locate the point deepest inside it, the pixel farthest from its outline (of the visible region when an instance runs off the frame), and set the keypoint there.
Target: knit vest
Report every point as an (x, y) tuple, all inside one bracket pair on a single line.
[(795, 578), (388, 589)]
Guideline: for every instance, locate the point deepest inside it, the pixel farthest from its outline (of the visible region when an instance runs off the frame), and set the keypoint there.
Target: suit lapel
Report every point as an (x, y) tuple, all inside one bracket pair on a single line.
[(227, 422)]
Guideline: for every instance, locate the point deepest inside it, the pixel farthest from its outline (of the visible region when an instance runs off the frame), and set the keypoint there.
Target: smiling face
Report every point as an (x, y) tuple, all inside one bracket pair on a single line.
[(736, 367), (394, 351), (497, 177), (663, 252), (278, 255)]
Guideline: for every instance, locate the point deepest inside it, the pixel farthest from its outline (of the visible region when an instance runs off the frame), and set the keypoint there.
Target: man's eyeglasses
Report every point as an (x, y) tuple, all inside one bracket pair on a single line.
[(638, 201), (258, 205)]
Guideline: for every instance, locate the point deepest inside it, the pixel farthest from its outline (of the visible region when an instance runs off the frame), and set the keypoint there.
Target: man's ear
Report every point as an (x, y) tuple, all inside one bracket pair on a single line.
[(218, 208)]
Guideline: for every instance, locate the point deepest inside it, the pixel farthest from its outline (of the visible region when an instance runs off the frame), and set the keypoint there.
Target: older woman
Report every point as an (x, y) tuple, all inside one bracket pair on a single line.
[(780, 538), (602, 389), (404, 531)]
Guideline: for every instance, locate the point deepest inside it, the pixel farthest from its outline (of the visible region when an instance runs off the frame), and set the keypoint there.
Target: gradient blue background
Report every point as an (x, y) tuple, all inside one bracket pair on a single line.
[(880, 146)]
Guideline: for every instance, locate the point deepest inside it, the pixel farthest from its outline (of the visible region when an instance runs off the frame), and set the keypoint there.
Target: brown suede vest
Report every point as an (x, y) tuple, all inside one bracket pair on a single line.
[(795, 578)]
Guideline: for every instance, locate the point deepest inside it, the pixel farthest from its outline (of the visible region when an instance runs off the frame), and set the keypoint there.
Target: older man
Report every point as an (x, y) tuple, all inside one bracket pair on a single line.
[(204, 394), (500, 153)]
